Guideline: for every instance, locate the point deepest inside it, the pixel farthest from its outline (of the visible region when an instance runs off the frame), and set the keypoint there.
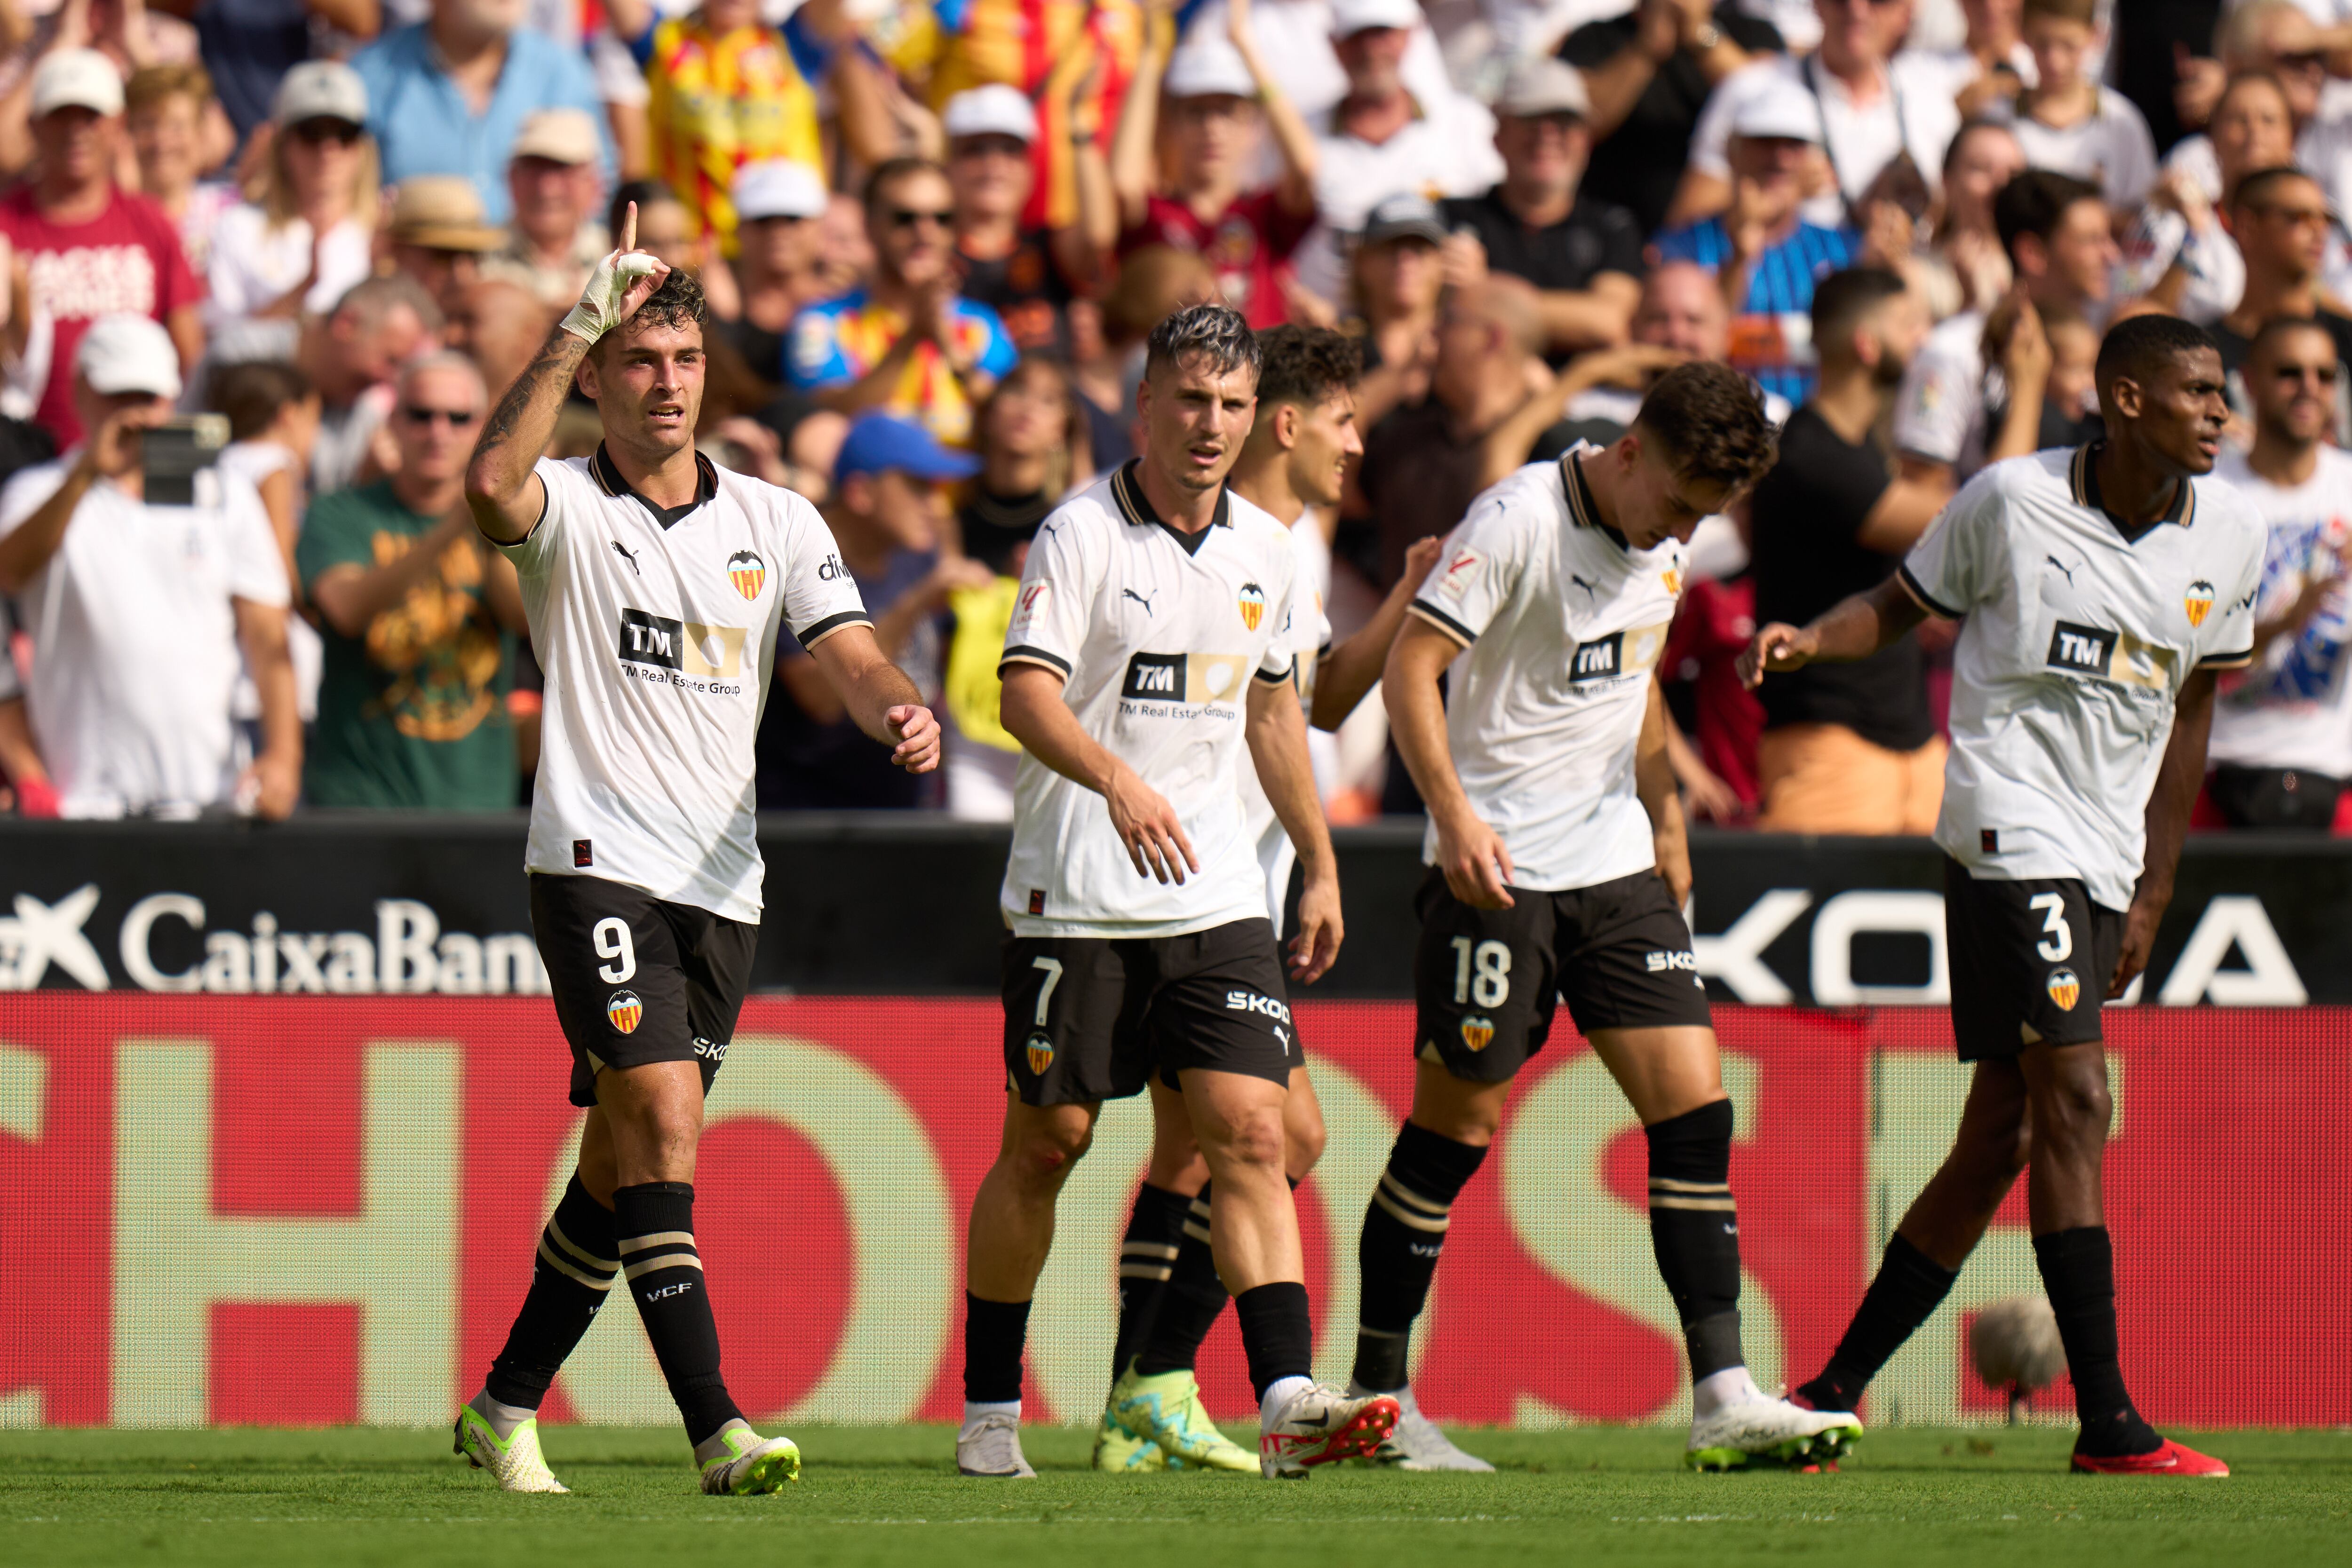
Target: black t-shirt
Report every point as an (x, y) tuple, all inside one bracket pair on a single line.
[(762, 351), (1641, 162), (1026, 288), (1806, 512), (1595, 237), (1418, 477)]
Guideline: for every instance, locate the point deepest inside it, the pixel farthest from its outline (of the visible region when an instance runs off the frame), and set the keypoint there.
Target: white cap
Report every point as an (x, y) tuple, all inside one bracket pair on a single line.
[(129, 354), (999, 108), (1783, 112), (1538, 85), (76, 79), (777, 188), (557, 135), (320, 89), (1349, 17), (1206, 67)]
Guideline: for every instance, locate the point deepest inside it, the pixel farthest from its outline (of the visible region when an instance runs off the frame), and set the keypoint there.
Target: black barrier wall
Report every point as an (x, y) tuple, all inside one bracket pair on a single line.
[(907, 905)]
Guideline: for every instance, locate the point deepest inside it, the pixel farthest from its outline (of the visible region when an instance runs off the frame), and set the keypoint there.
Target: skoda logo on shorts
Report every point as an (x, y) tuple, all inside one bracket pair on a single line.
[(2064, 988), (1041, 1053), (1478, 1033), (623, 1012)]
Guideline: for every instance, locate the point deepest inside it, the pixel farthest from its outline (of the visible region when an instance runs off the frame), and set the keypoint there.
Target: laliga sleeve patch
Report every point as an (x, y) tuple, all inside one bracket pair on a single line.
[(1461, 572), (1029, 610)]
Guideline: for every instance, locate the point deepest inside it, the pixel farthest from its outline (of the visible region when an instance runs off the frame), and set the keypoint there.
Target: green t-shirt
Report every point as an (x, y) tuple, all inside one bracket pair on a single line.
[(414, 713)]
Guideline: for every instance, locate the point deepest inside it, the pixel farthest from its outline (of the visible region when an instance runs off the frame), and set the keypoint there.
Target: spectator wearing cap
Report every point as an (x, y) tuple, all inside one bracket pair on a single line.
[(89, 248), (1394, 280), (419, 618), (555, 188), (177, 133), (1583, 257), (309, 235), (907, 343), (1180, 183), (1649, 72), (137, 611), (450, 95), (1382, 138), (1028, 276), (1764, 254), (780, 208), (888, 514), (351, 355), (439, 236)]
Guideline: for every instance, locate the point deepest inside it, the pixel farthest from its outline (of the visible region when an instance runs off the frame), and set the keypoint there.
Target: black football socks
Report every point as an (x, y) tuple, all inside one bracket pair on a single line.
[(994, 1334), (1909, 1287), (1694, 1230), (2078, 1270), (654, 1222), (1147, 1260), (1277, 1334), (570, 1279), (1190, 1305), (1397, 1252)]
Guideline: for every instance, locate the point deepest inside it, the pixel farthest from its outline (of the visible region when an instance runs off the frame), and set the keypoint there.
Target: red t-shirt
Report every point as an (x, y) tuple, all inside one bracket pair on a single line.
[(127, 260), (1246, 244), (1712, 628)]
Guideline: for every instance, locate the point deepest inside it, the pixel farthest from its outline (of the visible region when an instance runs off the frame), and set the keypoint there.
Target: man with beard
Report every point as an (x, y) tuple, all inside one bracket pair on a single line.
[(1847, 749)]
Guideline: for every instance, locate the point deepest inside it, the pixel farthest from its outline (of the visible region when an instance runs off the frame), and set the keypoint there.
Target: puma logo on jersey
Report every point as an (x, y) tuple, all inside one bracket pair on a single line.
[(1140, 598), (2064, 570), (687, 646), (1591, 591), (630, 556)]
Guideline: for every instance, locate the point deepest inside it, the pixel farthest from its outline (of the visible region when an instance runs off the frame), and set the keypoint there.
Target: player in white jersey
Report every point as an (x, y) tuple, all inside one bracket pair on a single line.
[(1559, 866), (1148, 661), (2283, 737), (2101, 588), (1297, 456), (657, 588)]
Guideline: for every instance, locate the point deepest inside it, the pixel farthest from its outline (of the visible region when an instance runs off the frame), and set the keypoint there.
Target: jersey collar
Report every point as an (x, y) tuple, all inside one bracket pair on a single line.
[(2083, 475), (608, 477), (1582, 509), (1128, 491)]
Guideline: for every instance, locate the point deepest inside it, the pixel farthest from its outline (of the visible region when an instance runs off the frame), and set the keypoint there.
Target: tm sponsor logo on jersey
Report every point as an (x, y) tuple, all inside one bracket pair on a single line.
[(691, 654), (1634, 652), (2107, 655), (1191, 683)]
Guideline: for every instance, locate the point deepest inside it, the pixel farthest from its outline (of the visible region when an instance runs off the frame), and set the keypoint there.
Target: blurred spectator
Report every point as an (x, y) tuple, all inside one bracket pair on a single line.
[(1584, 257), (250, 45), (351, 357), (1765, 255), (2179, 251), (1648, 73), (780, 209), (309, 236), (2066, 120), (666, 229), (1395, 276), (439, 237), (1964, 268), (128, 36), (1712, 628), (419, 615), (1028, 276), (171, 116), (2281, 218), (1682, 316), (1180, 184), (2278, 38), (89, 248), (1992, 64), (500, 326), (889, 506), (1847, 749), (273, 423), (2056, 232), (1107, 344), (2282, 740), (555, 186), (450, 95), (137, 613), (906, 343)]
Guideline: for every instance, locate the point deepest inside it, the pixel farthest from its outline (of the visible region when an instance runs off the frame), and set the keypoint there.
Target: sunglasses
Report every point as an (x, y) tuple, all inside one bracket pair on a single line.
[(455, 418), (317, 132), (2301, 60), (2325, 373), (911, 217)]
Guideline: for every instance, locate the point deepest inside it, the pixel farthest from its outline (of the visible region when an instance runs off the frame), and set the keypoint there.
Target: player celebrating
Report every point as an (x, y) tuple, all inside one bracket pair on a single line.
[(657, 588), (1150, 644), (2101, 588), (1559, 867), (1169, 1295)]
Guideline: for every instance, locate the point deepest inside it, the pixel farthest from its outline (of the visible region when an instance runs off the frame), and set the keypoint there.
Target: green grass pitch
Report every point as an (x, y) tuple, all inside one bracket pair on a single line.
[(1912, 1496)]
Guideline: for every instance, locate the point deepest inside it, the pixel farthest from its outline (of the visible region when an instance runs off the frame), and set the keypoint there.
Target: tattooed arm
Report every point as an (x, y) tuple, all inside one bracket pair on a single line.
[(506, 494)]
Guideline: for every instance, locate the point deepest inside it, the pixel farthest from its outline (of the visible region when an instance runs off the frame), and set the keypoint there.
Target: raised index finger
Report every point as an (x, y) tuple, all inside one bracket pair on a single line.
[(629, 229)]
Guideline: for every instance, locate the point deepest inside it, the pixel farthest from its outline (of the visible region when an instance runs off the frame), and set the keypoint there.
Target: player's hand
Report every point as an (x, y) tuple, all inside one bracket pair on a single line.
[(1421, 559), (1316, 946), (918, 750), (1477, 864), (2025, 358), (1147, 825), (271, 785), (2140, 921), (1778, 648), (624, 280), (1673, 851)]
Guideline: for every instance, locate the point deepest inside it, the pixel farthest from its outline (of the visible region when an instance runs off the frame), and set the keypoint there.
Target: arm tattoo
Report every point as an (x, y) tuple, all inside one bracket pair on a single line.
[(559, 357)]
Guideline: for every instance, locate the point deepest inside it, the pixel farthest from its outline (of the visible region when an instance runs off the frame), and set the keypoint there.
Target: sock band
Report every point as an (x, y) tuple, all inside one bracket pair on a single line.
[(1190, 1305), (655, 1225), (570, 1279), (1397, 1251), (1147, 1260), (1695, 1231)]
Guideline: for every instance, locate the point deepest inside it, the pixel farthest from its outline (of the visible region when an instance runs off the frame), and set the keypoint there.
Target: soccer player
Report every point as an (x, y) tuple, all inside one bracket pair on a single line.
[(1151, 645), (1170, 1296), (657, 588), (2099, 589), (1559, 866)]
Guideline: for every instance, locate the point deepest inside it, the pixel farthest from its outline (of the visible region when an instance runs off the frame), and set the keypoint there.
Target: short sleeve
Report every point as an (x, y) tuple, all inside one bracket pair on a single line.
[(1477, 571), (820, 596), (24, 493), (1280, 661), (1939, 398), (256, 571), (568, 488), (2228, 643), (334, 534), (1049, 617), (813, 353), (1946, 572)]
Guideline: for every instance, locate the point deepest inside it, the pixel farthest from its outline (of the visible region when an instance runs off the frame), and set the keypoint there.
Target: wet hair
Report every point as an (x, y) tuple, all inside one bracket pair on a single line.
[(2035, 203), (1711, 420), (678, 302), (1307, 364), (1215, 333), (2144, 345), (1843, 300), (252, 393)]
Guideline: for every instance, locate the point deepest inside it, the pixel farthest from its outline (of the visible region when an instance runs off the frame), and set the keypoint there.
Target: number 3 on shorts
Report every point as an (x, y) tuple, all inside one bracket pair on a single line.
[(1482, 972), (612, 941), (2060, 939), (1053, 968)]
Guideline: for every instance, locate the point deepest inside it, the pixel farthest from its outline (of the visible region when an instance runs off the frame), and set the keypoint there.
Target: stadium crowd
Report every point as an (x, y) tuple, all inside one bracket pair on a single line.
[(934, 235)]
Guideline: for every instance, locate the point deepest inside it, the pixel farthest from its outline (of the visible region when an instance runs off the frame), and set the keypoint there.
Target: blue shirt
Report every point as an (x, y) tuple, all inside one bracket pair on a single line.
[(1772, 333), (424, 125)]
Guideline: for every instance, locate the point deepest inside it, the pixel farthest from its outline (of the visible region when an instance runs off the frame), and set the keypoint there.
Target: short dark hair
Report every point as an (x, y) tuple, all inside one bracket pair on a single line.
[(1214, 332), (678, 302), (2086, 12), (1843, 300), (1307, 364), (2035, 203), (644, 192), (2280, 326), (892, 170), (1712, 423), (2141, 345), (2252, 187), (252, 393)]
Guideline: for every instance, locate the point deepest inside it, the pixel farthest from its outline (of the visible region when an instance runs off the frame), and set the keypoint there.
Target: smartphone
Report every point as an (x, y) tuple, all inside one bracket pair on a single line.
[(171, 454)]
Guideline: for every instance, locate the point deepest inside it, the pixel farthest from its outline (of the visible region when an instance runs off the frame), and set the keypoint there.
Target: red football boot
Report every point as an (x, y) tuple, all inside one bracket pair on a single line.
[(2168, 1458)]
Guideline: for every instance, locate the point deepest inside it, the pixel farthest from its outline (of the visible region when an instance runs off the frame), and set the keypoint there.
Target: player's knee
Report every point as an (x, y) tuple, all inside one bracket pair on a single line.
[(1048, 1151), (1304, 1137), (2075, 1108), (1253, 1138)]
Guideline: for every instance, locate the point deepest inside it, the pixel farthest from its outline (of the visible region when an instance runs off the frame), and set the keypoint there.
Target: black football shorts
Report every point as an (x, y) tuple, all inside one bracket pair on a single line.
[(637, 979), (2029, 961), (1092, 1018), (1486, 980)]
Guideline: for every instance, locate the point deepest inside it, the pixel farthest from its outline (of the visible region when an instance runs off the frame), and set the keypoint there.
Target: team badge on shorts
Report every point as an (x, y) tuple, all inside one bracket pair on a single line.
[(1478, 1033), (2064, 988), (2197, 601), (1041, 1054), (1253, 605), (623, 1012), (748, 572)]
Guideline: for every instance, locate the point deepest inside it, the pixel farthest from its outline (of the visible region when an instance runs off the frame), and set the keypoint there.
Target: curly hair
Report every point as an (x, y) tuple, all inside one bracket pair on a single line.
[(678, 302), (1307, 364), (1215, 333), (1712, 423)]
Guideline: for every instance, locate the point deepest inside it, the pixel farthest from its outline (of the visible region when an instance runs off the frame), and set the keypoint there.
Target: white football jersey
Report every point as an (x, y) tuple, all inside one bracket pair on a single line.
[(657, 634), (2293, 710), (1275, 854), (2077, 642), (1561, 626), (1157, 635)]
